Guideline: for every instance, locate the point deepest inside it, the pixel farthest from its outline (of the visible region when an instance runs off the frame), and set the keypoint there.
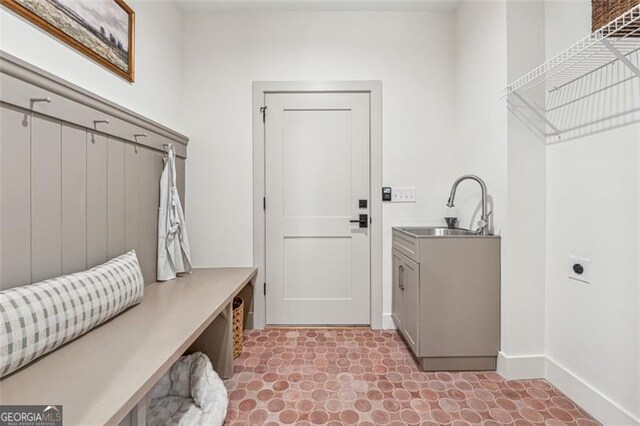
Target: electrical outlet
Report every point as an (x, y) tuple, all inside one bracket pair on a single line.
[(580, 269), (403, 195)]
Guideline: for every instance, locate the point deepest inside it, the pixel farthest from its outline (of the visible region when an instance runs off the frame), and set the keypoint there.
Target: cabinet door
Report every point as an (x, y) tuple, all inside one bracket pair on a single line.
[(397, 294), (410, 280)]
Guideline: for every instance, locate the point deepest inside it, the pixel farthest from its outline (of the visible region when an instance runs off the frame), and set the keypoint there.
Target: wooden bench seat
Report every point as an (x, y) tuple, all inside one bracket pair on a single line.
[(100, 377)]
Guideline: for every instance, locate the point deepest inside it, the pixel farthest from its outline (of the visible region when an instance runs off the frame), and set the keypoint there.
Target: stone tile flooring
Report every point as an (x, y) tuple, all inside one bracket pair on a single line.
[(360, 376)]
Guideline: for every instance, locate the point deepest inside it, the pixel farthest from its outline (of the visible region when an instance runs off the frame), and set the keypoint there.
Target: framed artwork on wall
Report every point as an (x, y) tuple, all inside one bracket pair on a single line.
[(100, 29)]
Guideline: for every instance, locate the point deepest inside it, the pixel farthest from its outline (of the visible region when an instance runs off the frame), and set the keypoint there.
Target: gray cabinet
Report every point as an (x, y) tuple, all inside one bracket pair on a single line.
[(397, 311), (406, 288), (446, 299), (411, 283)]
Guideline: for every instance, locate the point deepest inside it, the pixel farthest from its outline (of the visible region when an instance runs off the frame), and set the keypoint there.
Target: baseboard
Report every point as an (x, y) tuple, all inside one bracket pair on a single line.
[(387, 322), (588, 397), (514, 367)]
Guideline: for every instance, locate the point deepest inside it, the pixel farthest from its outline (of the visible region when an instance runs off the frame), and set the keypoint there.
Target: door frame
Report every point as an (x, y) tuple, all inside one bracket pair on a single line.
[(257, 318)]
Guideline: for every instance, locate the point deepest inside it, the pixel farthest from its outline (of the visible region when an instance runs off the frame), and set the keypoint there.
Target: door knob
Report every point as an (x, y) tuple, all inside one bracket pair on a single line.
[(363, 221)]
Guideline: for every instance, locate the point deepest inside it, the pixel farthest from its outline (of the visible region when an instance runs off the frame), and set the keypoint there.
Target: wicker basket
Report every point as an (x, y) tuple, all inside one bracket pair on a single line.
[(238, 316), (605, 11)]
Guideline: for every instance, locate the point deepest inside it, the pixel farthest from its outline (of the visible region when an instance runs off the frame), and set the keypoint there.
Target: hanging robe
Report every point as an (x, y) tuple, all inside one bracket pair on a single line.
[(174, 255)]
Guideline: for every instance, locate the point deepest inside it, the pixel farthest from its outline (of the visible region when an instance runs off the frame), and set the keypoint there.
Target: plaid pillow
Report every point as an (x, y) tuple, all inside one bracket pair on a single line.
[(36, 319)]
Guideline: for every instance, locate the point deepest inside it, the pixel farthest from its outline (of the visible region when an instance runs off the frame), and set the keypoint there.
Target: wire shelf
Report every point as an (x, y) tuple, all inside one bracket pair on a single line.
[(590, 87)]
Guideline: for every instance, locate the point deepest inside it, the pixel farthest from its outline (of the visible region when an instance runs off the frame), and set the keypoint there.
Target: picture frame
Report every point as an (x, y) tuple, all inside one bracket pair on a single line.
[(103, 30)]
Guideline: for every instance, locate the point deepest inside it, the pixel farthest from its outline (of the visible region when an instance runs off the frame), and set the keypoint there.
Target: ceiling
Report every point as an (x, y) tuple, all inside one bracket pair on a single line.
[(301, 5)]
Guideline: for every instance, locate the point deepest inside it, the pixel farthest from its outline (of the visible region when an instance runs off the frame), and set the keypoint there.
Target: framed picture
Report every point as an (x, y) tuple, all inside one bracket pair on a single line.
[(100, 29)]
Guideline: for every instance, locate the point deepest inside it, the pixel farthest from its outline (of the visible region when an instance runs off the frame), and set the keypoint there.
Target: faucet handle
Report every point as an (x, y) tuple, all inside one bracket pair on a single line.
[(482, 227)]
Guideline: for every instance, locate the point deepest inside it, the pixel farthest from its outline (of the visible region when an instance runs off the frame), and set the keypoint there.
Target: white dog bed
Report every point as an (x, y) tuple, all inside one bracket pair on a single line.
[(191, 393)]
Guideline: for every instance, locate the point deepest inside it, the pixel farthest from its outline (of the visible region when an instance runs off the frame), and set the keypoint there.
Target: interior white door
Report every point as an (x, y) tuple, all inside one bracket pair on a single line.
[(317, 171)]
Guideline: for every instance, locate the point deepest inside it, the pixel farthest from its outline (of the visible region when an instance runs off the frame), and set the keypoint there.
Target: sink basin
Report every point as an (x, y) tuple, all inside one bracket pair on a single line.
[(437, 232)]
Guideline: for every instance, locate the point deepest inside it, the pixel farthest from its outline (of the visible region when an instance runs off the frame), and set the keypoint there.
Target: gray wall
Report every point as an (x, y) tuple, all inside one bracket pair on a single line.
[(71, 197)]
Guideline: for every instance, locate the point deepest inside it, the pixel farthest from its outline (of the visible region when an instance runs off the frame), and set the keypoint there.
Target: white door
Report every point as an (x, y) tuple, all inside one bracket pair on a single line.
[(317, 171)]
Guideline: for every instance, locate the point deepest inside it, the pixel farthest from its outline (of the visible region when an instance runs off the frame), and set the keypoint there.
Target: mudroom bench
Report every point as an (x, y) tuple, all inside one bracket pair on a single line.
[(104, 376)]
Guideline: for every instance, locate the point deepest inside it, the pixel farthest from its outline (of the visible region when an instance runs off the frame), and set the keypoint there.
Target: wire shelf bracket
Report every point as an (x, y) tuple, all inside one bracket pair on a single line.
[(620, 56), (589, 87)]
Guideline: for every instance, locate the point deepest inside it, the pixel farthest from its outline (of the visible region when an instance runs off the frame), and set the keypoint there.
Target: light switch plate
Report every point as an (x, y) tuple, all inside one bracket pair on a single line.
[(403, 194), (577, 265)]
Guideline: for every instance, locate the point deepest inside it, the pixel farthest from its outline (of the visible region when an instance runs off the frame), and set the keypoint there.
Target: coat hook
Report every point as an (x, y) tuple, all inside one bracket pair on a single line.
[(47, 100), (33, 101), (136, 136)]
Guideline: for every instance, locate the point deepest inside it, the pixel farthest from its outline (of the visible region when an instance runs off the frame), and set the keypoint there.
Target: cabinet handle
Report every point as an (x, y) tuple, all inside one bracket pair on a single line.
[(401, 278)]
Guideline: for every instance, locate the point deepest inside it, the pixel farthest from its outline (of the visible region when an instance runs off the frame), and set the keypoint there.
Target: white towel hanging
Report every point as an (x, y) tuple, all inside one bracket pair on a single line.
[(174, 255)]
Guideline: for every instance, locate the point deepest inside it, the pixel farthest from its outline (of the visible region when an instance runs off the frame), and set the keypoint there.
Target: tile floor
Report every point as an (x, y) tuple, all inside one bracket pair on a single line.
[(359, 376)]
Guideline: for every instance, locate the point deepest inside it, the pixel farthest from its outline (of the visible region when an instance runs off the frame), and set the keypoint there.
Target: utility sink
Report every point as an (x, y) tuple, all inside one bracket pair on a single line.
[(446, 296), (436, 232)]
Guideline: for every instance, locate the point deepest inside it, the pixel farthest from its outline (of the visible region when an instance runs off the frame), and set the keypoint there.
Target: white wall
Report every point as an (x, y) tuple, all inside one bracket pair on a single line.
[(593, 211), (497, 42), (524, 245), (156, 92), (479, 115), (412, 54)]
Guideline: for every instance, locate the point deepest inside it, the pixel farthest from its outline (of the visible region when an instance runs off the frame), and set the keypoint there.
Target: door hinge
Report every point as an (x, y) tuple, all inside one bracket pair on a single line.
[(264, 203), (263, 111), (264, 289)]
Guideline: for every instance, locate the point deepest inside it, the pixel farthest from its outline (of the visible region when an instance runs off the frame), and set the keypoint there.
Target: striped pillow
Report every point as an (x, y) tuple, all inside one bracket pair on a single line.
[(36, 319)]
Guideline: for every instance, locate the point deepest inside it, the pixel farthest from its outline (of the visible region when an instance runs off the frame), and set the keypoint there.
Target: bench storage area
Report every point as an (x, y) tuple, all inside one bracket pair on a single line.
[(189, 393), (107, 375)]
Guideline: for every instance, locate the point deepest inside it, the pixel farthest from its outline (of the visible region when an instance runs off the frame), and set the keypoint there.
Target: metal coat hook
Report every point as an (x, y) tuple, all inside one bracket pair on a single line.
[(33, 101), (136, 136), (47, 100)]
